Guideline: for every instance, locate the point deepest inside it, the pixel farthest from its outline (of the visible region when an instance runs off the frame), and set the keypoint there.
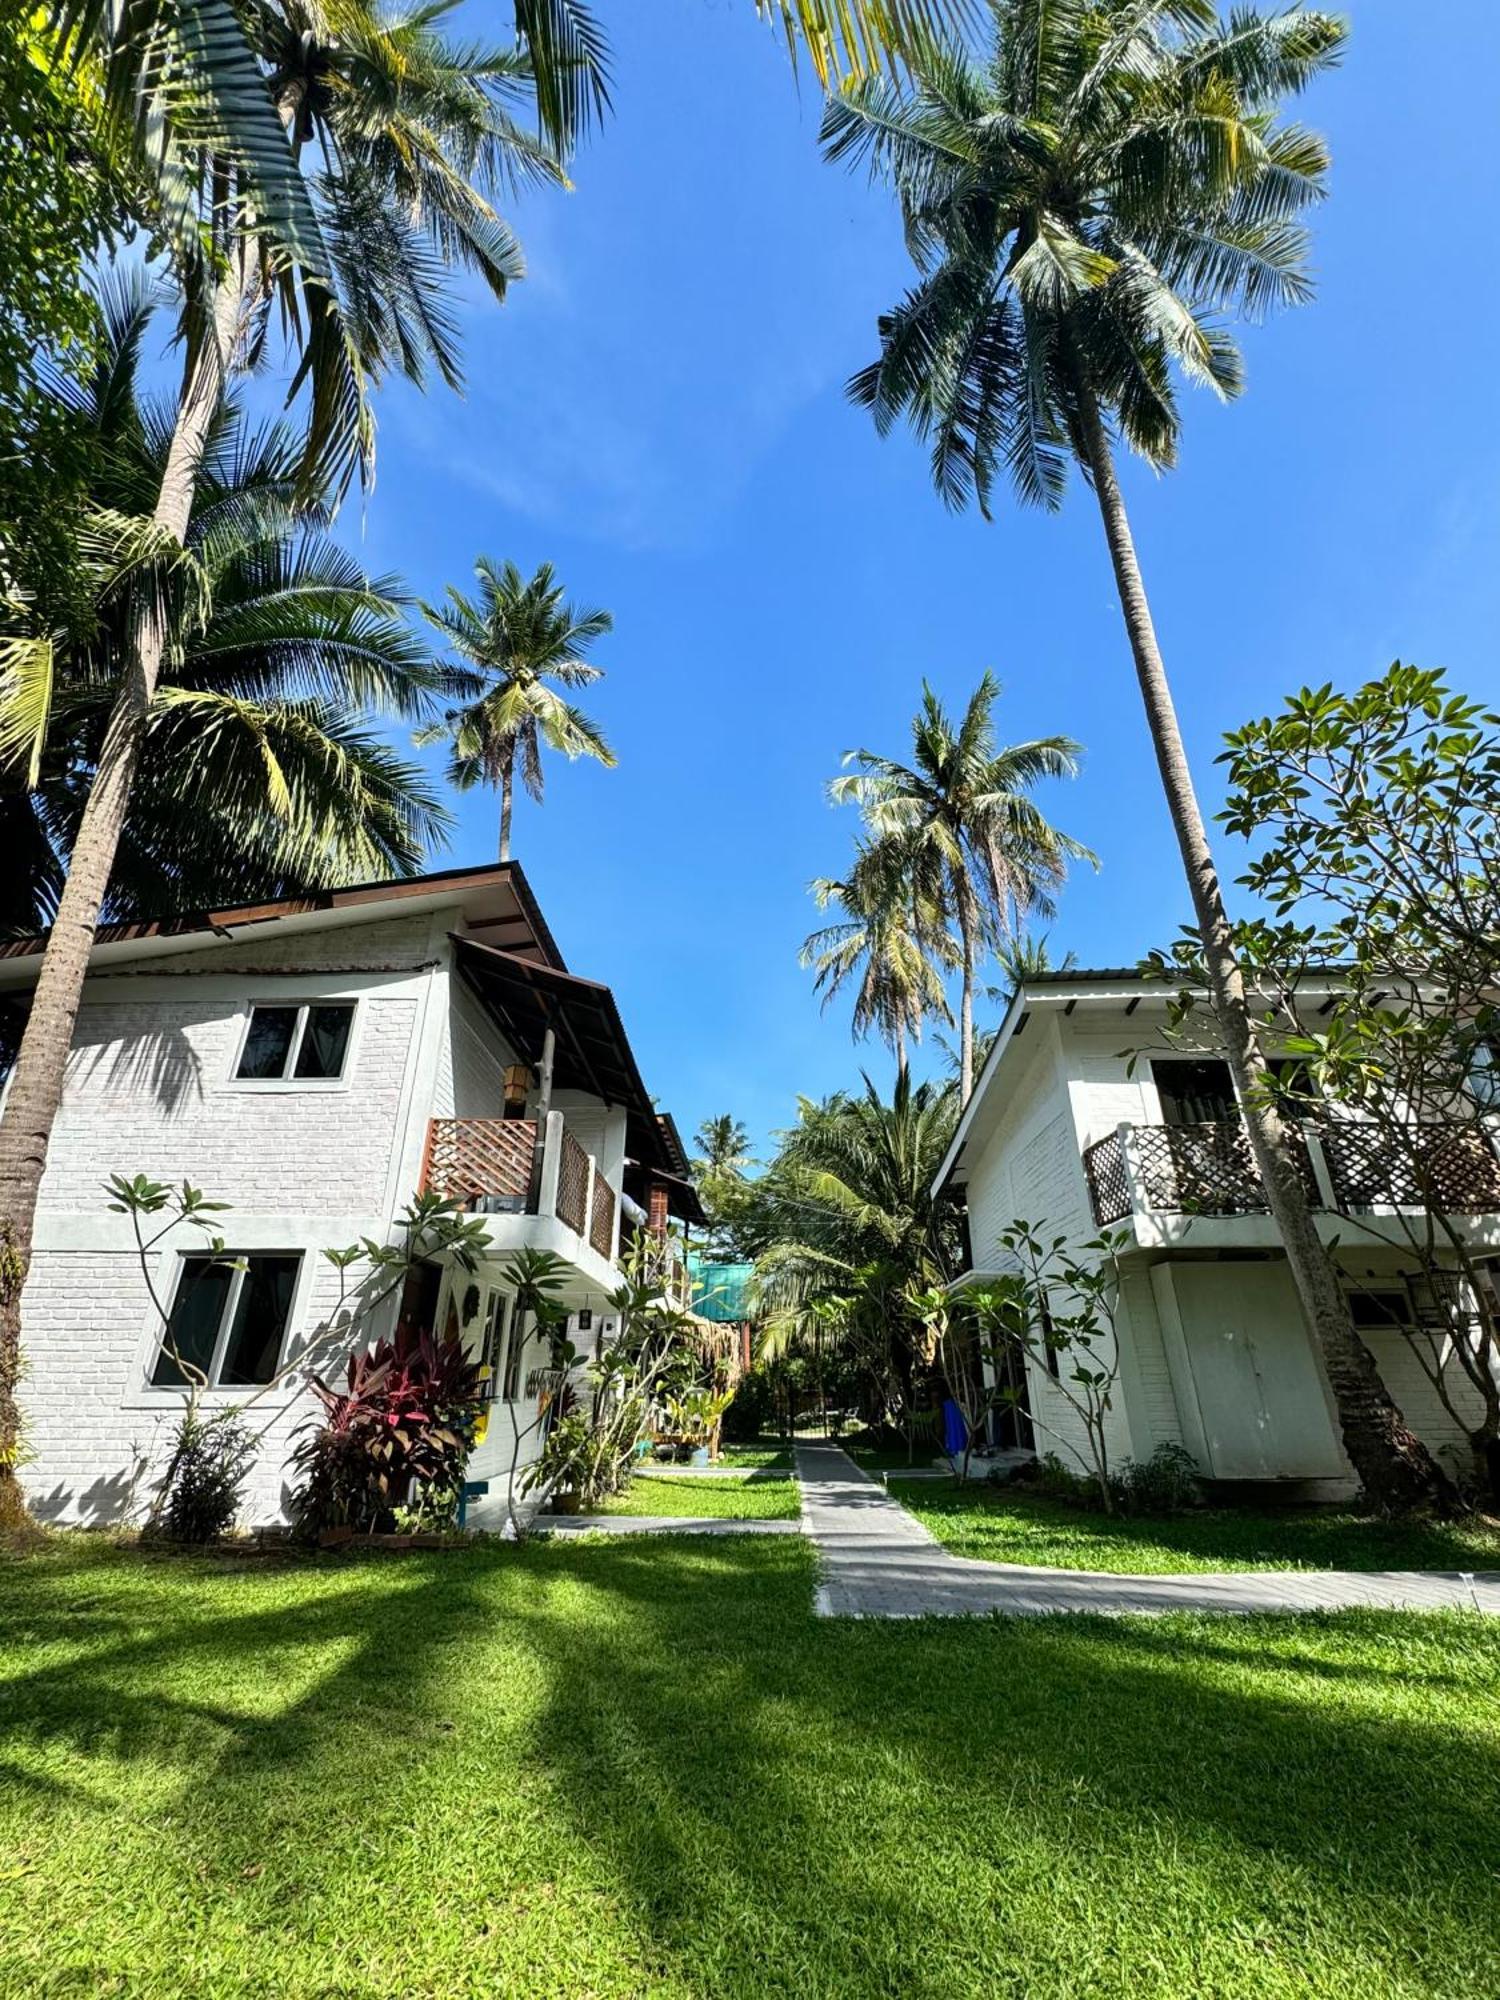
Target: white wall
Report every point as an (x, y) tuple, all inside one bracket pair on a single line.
[(1028, 1167), (150, 1090)]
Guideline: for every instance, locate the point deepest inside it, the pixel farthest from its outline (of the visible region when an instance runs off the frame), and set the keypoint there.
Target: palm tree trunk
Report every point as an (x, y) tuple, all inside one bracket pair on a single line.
[(1393, 1465), (966, 1002), (901, 1051), (37, 1081), (507, 797)]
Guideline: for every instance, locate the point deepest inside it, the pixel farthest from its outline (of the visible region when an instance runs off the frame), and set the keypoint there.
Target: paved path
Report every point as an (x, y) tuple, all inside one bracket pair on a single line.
[(880, 1562), (656, 1524)]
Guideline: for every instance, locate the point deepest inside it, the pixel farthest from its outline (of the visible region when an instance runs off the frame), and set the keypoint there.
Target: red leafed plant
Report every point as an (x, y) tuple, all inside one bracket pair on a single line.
[(401, 1427)]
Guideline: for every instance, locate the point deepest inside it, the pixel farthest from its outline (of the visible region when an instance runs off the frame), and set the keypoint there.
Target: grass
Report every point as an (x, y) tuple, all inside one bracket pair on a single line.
[(643, 1768), (880, 1455), (760, 1454), (718, 1497), (1020, 1528)]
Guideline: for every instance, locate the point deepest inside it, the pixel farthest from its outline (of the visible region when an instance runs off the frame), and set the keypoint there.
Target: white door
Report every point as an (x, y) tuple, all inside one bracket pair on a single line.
[(1243, 1366)]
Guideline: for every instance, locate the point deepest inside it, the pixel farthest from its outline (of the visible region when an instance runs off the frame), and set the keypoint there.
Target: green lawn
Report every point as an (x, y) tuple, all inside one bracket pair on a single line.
[(722, 1497), (883, 1456), (1017, 1528), (759, 1453), (643, 1768)]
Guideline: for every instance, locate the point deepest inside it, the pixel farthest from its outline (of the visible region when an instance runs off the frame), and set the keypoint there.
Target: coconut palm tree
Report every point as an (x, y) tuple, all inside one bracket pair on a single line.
[(723, 1145), (259, 775), (1085, 210), (520, 635), (890, 940), (958, 822), (308, 172)]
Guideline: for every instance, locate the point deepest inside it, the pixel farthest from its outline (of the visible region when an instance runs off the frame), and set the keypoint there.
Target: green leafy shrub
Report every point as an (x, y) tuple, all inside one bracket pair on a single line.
[(1165, 1483), (205, 1479)]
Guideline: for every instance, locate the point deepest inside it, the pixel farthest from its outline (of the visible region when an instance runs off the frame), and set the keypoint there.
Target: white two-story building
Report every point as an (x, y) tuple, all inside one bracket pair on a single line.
[(1088, 1115), (314, 1063)]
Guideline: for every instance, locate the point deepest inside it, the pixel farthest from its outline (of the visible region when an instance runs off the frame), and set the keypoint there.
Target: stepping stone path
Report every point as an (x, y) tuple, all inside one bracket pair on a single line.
[(880, 1562)]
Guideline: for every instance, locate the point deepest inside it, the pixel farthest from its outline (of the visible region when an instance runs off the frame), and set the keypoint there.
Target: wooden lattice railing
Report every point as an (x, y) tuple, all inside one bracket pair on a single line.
[(572, 1184), (1109, 1183), (1452, 1169), (471, 1159), (1185, 1170), (602, 1221)]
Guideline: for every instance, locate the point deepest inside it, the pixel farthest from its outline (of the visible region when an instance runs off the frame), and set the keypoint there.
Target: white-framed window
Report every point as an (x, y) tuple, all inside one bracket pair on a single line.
[(515, 1348), (295, 1041), (492, 1347), (228, 1318)]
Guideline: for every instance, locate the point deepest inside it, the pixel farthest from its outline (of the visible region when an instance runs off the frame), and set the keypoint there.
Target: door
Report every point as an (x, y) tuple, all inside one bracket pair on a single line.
[(1195, 1093), (1247, 1383)]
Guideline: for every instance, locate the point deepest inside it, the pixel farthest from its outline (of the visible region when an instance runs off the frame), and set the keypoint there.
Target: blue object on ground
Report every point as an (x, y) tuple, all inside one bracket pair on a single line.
[(472, 1489), (953, 1427)]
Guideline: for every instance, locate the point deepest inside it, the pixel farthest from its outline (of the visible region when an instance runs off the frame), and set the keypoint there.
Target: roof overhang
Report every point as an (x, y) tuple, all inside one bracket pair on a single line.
[(496, 901), (591, 1051)]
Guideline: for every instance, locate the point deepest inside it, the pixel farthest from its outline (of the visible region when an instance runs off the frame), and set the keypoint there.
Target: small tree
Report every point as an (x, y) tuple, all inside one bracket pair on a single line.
[(1376, 816), (1057, 1308)]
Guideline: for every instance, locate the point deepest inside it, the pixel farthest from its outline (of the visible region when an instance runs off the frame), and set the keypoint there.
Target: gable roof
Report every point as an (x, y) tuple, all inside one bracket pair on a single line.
[(496, 899)]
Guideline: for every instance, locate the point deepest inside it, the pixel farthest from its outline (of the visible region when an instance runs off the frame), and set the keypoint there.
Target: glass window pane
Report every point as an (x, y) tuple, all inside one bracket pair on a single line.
[(254, 1346), (511, 1387), (197, 1311), (325, 1039), (269, 1042)]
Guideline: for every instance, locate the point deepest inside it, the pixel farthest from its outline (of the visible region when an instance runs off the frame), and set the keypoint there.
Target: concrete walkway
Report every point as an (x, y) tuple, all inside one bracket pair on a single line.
[(880, 1562)]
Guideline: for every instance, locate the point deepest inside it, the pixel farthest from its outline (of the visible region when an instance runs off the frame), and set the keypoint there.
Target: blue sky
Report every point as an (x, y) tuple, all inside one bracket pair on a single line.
[(659, 411)]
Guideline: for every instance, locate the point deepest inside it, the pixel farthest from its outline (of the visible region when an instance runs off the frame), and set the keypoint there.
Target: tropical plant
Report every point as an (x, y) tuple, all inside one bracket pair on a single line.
[(520, 635), (723, 1145), (842, 1225), (210, 1461), (959, 826), (1085, 210), (1055, 1309), (890, 939), (310, 172), (259, 774), (401, 1426)]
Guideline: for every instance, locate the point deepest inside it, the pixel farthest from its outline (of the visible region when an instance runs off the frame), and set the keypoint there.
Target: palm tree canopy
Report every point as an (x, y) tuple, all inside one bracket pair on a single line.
[(960, 814), (1084, 208), (338, 159), (516, 636), (888, 939), (263, 774), (847, 1208), (723, 1145)]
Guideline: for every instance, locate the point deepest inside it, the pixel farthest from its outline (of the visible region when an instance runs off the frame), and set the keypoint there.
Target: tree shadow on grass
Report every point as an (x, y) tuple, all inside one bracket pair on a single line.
[(629, 1767)]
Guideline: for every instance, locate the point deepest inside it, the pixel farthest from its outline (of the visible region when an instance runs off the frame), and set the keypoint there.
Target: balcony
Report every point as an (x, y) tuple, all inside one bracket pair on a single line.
[(1346, 1168), (517, 1166)]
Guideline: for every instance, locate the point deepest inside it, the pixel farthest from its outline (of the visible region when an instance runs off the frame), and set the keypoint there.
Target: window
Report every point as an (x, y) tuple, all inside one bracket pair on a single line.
[(306, 1043), (1049, 1337), (510, 1388), (492, 1349), (228, 1320)]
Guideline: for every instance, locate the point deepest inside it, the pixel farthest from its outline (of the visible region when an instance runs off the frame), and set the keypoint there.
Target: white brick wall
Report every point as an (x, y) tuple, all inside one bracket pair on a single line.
[(150, 1091), (97, 1436)]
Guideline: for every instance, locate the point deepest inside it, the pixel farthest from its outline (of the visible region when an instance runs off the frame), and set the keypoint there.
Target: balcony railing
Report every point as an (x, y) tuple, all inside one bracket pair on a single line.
[(515, 1166), (1450, 1168), (1210, 1170)]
